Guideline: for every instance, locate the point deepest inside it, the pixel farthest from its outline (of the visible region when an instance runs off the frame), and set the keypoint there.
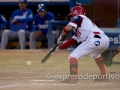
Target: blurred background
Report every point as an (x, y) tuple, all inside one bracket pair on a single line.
[(104, 13)]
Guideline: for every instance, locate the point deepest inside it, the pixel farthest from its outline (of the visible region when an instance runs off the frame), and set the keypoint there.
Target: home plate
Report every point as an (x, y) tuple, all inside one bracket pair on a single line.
[(43, 80)]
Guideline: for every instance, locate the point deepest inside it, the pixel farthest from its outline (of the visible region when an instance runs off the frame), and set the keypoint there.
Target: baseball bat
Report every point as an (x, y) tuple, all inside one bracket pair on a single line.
[(49, 54)]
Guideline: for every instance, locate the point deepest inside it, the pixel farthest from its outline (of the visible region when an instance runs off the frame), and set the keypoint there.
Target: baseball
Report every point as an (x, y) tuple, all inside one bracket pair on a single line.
[(29, 63)]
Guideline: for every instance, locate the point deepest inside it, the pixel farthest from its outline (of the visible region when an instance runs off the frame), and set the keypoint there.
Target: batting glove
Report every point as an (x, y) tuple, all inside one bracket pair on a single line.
[(59, 40), (56, 50)]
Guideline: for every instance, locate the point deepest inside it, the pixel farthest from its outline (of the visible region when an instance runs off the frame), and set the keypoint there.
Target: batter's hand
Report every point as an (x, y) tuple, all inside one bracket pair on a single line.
[(14, 21), (37, 33), (60, 40), (56, 50)]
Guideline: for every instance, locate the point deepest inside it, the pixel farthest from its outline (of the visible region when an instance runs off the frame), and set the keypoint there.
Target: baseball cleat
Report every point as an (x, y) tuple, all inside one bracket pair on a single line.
[(70, 80)]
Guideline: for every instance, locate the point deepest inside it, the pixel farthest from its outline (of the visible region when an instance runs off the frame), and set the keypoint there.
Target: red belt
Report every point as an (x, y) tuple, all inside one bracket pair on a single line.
[(96, 32)]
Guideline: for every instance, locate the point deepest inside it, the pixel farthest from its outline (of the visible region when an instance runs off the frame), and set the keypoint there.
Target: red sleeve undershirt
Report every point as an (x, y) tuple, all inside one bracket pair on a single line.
[(68, 43)]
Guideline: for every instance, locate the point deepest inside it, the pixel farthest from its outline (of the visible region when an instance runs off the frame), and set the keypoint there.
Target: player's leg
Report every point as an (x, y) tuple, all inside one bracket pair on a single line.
[(7, 34), (87, 47), (80, 52), (98, 58), (42, 38), (27, 37), (32, 41), (73, 70), (55, 35), (22, 38), (100, 63), (27, 34), (0, 36)]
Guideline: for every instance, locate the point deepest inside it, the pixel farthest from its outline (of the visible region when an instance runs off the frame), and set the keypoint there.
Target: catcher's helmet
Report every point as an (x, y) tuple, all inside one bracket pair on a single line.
[(77, 10), (41, 7)]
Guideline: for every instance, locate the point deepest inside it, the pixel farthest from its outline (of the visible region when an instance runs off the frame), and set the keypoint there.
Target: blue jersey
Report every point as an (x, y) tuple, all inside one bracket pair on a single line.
[(3, 22), (42, 23), (23, 17)]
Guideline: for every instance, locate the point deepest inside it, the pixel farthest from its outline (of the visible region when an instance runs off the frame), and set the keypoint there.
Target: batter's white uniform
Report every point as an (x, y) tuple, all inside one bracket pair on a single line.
[(94, 41)]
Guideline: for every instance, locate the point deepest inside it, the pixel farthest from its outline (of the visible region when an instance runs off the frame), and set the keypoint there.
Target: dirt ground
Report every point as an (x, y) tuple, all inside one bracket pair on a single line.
[(15, 74)]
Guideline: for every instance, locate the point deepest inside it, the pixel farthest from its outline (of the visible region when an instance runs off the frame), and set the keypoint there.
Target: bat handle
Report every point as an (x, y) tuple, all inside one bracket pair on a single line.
[(55, 47)]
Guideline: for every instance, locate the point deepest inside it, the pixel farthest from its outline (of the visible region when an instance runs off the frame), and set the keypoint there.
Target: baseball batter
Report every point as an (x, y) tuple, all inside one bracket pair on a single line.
[(94, 42)]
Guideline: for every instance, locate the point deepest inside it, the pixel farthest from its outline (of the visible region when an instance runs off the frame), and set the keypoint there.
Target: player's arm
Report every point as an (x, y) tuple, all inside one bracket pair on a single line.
[(35, 24), (3, 22), (66, 30), (74, 23), (69, 42), (52, 17), (36, 30), (28, 18), (11, 21), (35, 27)]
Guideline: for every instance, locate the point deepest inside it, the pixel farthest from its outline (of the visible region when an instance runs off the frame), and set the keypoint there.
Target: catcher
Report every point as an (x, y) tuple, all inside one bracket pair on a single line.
[(109, 54), (94, 42)]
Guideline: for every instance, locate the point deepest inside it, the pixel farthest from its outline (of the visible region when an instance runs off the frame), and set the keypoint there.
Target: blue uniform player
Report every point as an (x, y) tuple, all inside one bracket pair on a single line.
[(40, 27), (3, 22), (19, 25)]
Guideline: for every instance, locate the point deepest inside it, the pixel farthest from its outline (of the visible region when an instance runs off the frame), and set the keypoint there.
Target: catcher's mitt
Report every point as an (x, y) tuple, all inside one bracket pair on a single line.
[(108, 56)]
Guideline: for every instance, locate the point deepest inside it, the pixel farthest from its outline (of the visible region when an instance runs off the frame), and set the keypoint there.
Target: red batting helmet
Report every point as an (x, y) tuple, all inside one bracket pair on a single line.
[(77, 10)]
